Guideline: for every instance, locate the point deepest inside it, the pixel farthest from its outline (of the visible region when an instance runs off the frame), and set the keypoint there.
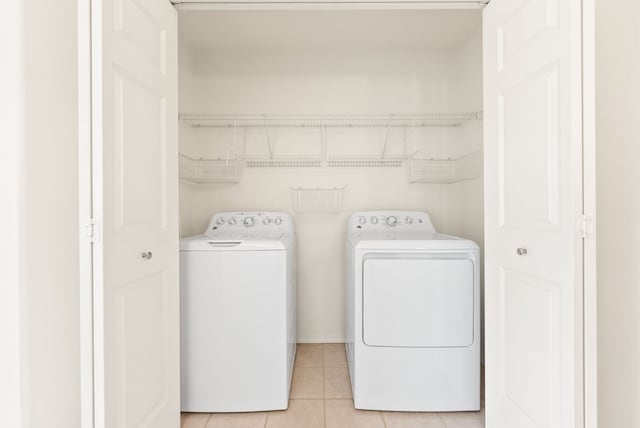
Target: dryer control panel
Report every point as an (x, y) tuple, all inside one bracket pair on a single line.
[(247, 221), (372, 221)]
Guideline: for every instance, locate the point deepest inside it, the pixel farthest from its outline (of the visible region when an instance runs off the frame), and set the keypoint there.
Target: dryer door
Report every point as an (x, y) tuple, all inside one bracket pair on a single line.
[(421, 301)]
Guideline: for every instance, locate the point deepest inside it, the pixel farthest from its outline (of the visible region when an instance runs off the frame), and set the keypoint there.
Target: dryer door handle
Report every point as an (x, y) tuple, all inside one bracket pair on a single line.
[(225, 243)]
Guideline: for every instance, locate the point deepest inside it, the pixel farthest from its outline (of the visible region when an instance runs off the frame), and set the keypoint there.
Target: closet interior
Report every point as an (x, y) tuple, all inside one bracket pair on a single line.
[(325, 112)]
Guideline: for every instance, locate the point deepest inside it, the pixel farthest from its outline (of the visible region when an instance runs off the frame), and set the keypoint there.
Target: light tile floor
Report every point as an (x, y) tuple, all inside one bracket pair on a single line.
[(321, 398)]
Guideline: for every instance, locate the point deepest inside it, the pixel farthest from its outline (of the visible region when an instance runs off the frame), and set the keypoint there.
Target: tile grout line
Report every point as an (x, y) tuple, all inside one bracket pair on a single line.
[(384, 420), (207, 421), (444, 423)]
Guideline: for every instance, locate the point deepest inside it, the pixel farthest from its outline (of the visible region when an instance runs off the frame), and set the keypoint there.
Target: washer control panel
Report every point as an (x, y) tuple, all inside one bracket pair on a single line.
[(261, 221), (389, 220)]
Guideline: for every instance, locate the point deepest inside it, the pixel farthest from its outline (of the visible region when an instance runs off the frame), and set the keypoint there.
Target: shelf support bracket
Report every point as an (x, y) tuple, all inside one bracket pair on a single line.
[(386, 137), (266, 131), (234, 141), (323, 143), (404, 141)]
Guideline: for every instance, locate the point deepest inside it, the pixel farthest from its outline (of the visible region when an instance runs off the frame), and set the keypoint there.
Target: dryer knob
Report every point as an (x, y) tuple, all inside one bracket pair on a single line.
[(408, 220), (220, 221), (266, 221), (362, 220), (232, 221), (278, 221), (249, 221), (392, 220), (374, 220)]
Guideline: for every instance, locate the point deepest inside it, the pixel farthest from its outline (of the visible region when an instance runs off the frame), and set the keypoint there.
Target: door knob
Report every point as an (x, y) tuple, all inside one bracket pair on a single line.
[(146, 255), (522, 251)]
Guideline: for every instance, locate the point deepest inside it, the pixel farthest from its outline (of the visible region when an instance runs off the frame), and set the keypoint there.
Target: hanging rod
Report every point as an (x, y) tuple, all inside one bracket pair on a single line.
[(333, 120)]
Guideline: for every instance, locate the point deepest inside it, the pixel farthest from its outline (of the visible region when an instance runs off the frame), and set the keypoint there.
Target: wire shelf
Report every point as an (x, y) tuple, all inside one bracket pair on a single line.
[(356, 162), (284, 162), (317, 200), (444, 171), (429, 170), (204, 171), (468, 167), (330, 120)]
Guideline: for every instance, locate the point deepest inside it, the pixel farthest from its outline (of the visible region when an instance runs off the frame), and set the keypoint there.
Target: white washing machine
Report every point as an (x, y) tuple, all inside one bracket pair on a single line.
[(412, 314), (238, 313)]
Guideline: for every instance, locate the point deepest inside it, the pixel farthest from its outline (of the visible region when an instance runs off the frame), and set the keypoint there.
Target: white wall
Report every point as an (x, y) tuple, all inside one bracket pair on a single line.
[(326, 81), (466, 95), (11, 135), (618, 211), (185, 96), (48, 216)]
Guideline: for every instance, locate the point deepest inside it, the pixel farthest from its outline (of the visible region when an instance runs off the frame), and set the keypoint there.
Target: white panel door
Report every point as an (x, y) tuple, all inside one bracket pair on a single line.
[(533, 191), (136, 333)]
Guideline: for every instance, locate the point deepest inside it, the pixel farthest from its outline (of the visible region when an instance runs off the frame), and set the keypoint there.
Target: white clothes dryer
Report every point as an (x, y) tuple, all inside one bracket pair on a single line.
[(238, 313), (412, 314)]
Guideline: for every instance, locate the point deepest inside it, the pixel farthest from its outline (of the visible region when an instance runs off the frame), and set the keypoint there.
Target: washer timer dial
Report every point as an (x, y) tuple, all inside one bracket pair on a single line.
[(392, 220)]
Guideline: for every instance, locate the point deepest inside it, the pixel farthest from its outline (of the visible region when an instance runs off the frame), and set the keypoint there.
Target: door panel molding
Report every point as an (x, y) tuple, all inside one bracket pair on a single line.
[(134, 200), (533, 202), (537, 295), (543, 212)]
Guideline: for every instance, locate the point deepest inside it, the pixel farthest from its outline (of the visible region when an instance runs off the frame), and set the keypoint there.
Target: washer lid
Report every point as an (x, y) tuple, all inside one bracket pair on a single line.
[(409, 241), (236, 242)]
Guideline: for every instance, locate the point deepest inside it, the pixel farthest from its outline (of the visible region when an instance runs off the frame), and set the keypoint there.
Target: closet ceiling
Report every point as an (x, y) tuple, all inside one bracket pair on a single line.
[(401, 29)]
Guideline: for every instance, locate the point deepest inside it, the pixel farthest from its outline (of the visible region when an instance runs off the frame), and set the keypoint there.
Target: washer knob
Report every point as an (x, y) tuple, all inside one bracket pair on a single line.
[(278, 221), (392, 220), (232, 221), (374, 220), (249, 221), (362, 220), (408, 220), (220, 221), (266, 221)]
